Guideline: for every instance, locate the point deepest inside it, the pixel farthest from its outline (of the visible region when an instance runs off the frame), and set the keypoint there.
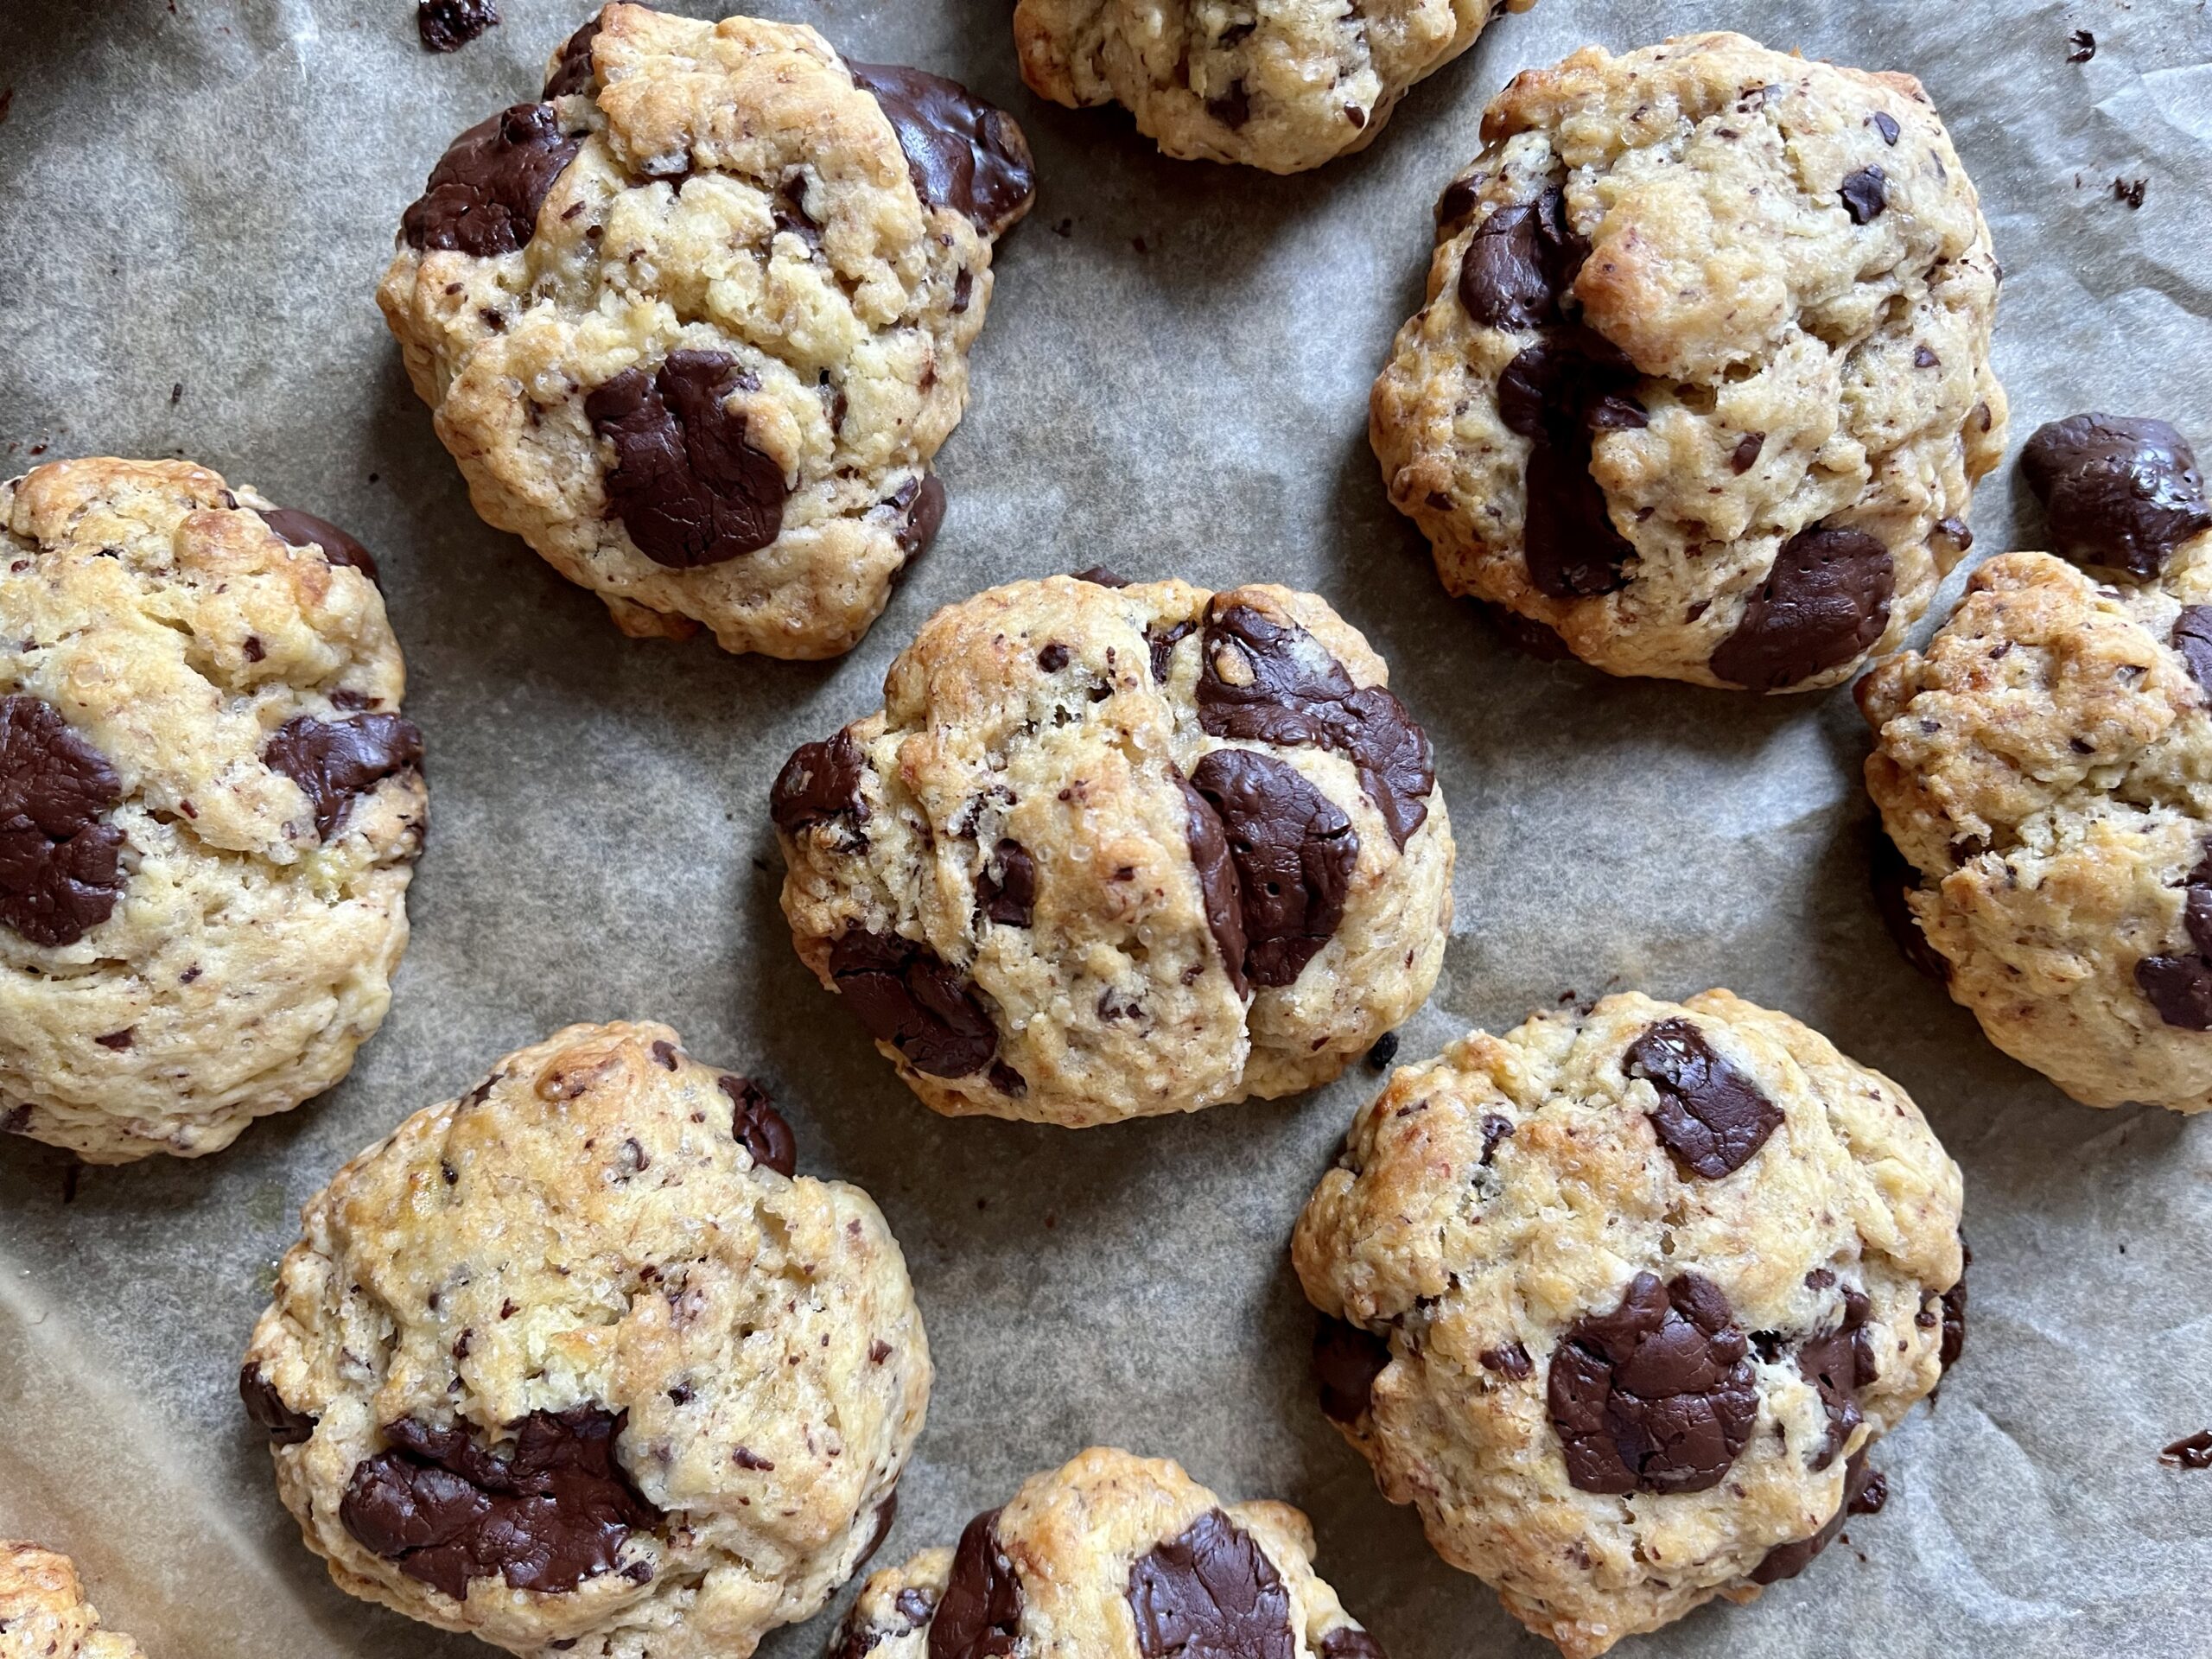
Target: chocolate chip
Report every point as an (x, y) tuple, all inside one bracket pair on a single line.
[(758, 1126), (2192, 637), (1556, 392), (2119, 491), (1295, 853), (686, 485), (1864, 1491), (1893, 877), (1511, 1361), (1099, 576), (1550, 389), (820, 782), (305, 529), (787, 210), (1955, 1319), (1233, 108), (1346, 1642), (1006, 890), (1528, 636), (1007, 1081), (1211, 1593), (1865, 193), (2179, 988), (1384, 1052), (448, 25), (886, 1513), (1295, 694), (549, 1514), (1712, 1117), (920, 507), (960, 152), (334, 761), (1520, 261), (284, 1426), (484, 193), (1745, 456), (1826, 601), (1495, 1130), (1886, 125), (1839, 1364), (2082, 46), (908, 996), (1217, 880), (2190, 1451), (1956, 530), (1346, 1362), (981, 1610), (118, 1040), (60, 869), (1053, 657), (573, 73), (1162, 643), (1658, 1395), (1924, 357)]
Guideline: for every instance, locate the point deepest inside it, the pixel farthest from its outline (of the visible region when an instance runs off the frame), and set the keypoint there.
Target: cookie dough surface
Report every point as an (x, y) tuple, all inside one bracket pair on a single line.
[(2043, 769), (577, 1364), (695, 325), (1116, 1557), (1620, 1301), (43, 1612), (210, 807), (1702, 382), (1286, 86), (1113, 851)]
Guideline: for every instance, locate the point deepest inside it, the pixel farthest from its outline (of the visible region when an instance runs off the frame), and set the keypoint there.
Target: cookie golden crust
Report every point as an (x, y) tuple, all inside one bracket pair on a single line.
[(1114, 1556), (43, 1612), (1702, 384), (574, 1363), (1107, 852), (695, 325), (2040, 768), (1287, 87), (1620, 1300), (210, 807)]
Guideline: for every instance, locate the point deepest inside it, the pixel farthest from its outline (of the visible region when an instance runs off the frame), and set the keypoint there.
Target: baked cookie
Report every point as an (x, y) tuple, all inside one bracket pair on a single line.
[(1284, 86), (575, 1364), (694, 324), (1702, 382), (2045, 770), (210, 807), (1620, 1300), (1110, 851), (43, 1612), (1112, 1557)]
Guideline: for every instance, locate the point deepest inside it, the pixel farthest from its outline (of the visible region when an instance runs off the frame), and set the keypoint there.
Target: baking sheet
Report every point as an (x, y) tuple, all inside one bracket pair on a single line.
[(201, 196)]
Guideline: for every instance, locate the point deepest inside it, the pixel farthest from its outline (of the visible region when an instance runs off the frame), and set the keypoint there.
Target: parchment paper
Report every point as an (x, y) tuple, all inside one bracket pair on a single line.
[(202, 195)]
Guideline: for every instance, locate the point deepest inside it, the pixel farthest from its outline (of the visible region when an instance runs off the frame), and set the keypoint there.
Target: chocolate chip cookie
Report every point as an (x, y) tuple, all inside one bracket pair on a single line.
[(1106, 1547), (1113, 851), (2040, 769), (1621, 1300), (1283, 87), (1702, 384), (696, 322), (210, 807), (576, 1362), (43, 1612)]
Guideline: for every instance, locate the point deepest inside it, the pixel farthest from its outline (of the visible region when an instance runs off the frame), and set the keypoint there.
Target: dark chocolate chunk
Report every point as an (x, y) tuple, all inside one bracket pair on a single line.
[(1864, 1491), (1893, 877), (1955, 1319), (1217, 883), (59, 867), (2179, 988), (552, 1513), (1550, 389), (1006, 890), (2082, 46), (920, 507), (2190, 1451), (1292, 693), (1295, 853), (1826, 601), (573, 73), (305, 529), (1346, 1642), (1511, 1362), (1233, 108), (484, 193), (1496, 1129), (1099, 576), (1570, 382), (1746, 454), (821, 781), (905, 995), (758, 1126), (1839, 1364), (1865, 193), (981, 1609), (1569, 537), (1211, 1593), (787, 210), (1346, 1362), (334, 761), (448, 25), (1520, 259), (2192, 637), (284, 1426), (1710, 1115), (1007, 1081), (1384, 1052), (960, 152), (1886, 125), (1053, 657), (1162, 643), (1658, 1395), (2119, 492), (685, 483), (1456, 206)]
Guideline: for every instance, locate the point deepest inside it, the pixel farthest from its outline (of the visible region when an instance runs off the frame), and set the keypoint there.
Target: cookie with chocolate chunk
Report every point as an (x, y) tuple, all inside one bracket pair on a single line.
[(577, 1362), (1107, 852), (1620, 1301), (1106, 1547), (210, 807), (2040, 768), (43, 1612), (1284, 86), (696, 322), (1702, 384)]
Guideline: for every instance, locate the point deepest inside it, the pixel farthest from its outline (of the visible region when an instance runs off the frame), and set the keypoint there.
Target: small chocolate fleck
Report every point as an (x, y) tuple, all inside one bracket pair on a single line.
[(1384, 1052), (1232, 108), (1746, 453), (1886, 125), (1510, 1361), (2131, 191), (1053, 657), (1099, 576), (1006, 890), (2190, 1451), (2082, 46)]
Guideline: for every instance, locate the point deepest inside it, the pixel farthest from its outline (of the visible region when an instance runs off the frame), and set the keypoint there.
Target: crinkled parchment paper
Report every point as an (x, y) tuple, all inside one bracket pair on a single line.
[(201, 195)]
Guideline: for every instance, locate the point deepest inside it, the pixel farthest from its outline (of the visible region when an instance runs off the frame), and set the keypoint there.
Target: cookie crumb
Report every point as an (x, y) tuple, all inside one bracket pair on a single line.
[(2190, 1451), (448, 25), (2130, 191)]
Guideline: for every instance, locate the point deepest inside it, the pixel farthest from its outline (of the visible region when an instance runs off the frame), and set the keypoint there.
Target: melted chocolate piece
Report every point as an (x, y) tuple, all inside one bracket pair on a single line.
[(1864, 1491), (981, 1609), (284, 1426), (1294, 693), (1712, 1117), (918, 505), (1659, 1395), (1866, 194), (1510, 1362), (573, 73), (1893, 877), (1456, 207), (1210, 1593), (2190, 1451), (1839, 1364), (443, 1510), (908, 996), (1006, 890), (305, 529), (1217, 883), (962, 153), (59, 870), (2192, 637), (1162, 642), (1294, 854), (1826, 601), (758, 1126), (1519, 263), (821, 781), (484, 193), (2119, 492), (1571, 383), (1346, 1362), (335, 761), (1099, 576), (2180, 986), (448, 25), (685, 483), (1346, 1642)]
